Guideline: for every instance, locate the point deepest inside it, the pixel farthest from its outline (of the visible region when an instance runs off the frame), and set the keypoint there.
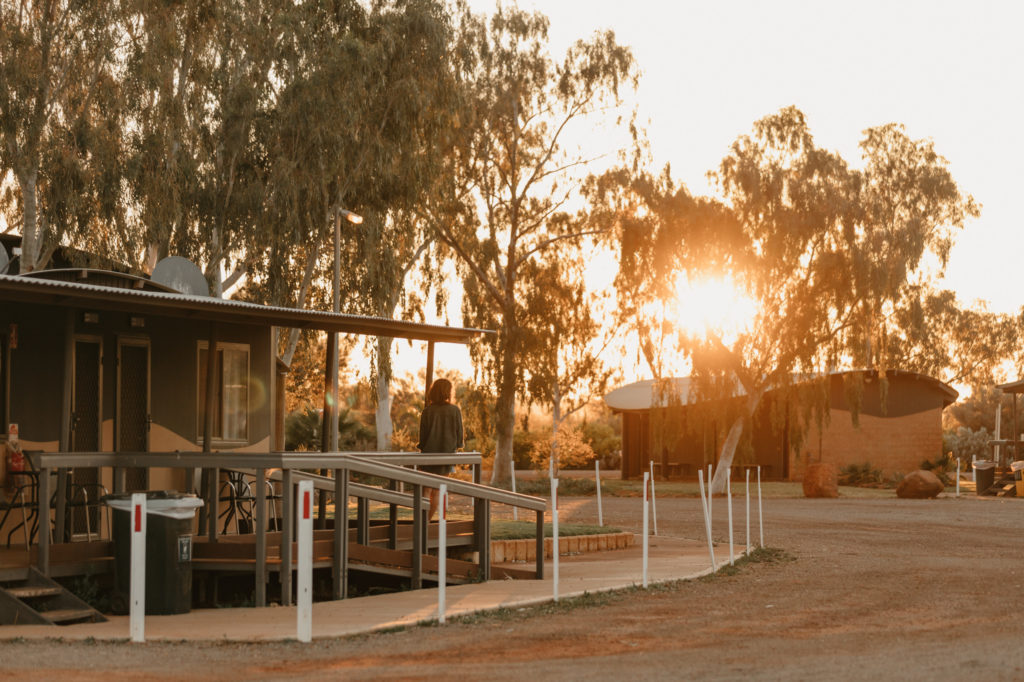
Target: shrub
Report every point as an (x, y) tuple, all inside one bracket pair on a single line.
[(965, 444), (863, 475), (573, 450)]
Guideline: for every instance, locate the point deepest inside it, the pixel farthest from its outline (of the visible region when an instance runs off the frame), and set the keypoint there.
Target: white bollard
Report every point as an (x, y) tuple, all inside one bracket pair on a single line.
[(597, 480), (646, 513), (707, 519), (512, 466), (304, 572), (760, 508), (710, 506), (442, 552), (728, 497), (554, 533), (654, 500), (958, 477), (746, 549), (137, 588)]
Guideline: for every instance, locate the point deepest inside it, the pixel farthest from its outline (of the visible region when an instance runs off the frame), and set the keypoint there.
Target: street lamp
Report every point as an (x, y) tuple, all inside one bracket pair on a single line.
[(355, 219)]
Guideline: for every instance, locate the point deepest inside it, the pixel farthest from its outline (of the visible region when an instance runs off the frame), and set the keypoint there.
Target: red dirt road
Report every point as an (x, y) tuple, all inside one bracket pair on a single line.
[(876, 590)]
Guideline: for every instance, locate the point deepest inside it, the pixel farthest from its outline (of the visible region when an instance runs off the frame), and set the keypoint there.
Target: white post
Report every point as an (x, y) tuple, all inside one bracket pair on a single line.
[(760, 508), (597, 480), (304, 572), (974, 470), (137, 588), (710, 506), (442, 552), (746, 549), (554, 534), (707, 519), (958, 477), (728, 496), (999, 414), (646, 514), (512, 466), (654, 500)]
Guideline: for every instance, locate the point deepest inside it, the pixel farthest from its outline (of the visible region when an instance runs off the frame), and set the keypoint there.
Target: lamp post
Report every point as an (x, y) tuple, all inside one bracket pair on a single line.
[(355, 219)]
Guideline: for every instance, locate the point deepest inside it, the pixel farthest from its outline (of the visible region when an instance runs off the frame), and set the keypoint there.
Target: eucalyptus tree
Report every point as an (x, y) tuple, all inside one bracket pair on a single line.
[(364, 99), (199, 81), (932, 332), (564, 338), (512, 175), (393, 251), (820, 249), (60, 126)]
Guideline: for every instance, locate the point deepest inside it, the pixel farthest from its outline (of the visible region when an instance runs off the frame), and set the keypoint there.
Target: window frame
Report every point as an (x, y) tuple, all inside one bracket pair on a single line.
[(201, 347)]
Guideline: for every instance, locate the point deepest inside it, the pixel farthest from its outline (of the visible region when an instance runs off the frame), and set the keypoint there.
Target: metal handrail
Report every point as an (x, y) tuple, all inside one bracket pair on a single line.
[(383, 465)]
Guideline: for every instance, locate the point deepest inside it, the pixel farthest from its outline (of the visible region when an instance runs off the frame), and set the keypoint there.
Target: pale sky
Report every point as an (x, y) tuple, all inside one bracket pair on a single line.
[(949, 71)]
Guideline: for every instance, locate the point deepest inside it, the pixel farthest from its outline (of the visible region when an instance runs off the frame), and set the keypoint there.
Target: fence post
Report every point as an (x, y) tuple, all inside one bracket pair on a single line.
[(137, 588), (442, 552), (707, 517), (728, 496), (554, 533), (646, 513), (304, 577)]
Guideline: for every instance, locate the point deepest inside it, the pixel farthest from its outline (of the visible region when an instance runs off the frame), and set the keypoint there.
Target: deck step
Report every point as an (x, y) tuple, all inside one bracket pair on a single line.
[(63, 616), (34, 591), (37, 599)]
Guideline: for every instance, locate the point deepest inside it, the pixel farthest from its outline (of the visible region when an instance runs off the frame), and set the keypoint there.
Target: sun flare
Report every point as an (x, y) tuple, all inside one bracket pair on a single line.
[(712, 306)]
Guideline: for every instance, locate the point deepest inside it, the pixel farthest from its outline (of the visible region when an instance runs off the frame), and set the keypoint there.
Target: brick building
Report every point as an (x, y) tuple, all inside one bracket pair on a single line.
[(898, 427)]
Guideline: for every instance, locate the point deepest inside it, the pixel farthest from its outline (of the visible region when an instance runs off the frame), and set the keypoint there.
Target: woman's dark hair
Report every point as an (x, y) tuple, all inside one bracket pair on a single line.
[(440, 392)]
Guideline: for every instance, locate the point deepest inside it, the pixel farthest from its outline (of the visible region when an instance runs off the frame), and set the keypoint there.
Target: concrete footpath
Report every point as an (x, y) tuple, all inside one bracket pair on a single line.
[(668, 559)]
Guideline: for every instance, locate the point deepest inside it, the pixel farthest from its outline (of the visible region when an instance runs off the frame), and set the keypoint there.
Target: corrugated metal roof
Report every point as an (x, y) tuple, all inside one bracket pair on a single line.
[(643, 395), (81, 295)]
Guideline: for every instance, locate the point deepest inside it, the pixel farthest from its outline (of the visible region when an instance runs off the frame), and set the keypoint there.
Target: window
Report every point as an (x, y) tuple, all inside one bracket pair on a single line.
[(231, 394)]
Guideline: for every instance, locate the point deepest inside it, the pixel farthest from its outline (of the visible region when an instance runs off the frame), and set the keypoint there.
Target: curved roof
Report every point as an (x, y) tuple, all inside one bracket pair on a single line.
[(643, 395)]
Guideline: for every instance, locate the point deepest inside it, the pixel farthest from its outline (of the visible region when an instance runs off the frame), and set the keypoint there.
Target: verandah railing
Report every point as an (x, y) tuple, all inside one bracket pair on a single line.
[(388, 466)]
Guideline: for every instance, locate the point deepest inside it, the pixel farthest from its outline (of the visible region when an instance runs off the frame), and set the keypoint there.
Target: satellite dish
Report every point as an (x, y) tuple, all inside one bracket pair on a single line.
[(182, 275), (4, 260)]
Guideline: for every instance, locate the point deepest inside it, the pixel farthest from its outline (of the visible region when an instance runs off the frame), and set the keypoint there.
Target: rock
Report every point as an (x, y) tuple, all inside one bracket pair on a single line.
[(919, 485), (821, 480)]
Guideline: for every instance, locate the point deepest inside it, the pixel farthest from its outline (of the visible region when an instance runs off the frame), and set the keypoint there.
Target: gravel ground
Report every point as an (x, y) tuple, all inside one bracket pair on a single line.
[(862, 590)]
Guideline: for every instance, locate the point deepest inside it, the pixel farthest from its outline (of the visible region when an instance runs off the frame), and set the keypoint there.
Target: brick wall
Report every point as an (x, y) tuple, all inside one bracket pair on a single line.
[(892, 444)]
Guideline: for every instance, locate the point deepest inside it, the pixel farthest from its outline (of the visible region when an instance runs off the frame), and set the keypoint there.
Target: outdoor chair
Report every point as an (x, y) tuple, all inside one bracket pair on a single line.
[(238, 492)]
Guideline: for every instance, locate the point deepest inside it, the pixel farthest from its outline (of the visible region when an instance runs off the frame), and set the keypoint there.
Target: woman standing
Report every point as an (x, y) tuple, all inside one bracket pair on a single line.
[(440, 431)]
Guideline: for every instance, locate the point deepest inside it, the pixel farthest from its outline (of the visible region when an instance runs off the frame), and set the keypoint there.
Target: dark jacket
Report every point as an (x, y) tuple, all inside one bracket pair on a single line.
[(440, 428)]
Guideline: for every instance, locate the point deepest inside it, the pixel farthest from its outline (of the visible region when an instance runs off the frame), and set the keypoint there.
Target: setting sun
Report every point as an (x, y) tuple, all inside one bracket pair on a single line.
[(712, 305)]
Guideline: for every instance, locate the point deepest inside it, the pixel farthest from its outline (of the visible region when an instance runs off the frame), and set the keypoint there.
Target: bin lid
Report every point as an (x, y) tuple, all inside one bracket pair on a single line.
[(169, 503), (984, 464)]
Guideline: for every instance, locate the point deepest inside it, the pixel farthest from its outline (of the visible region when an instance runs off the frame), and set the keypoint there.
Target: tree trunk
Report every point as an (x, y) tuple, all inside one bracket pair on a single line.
[(556, 421), (728, 451), (504, 427), (505, 410), (31, 239), (385, 427)]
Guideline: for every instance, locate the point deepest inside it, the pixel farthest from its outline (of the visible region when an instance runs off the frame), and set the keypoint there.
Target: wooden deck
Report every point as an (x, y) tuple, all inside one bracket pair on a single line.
[(66, 559), (237, 553)]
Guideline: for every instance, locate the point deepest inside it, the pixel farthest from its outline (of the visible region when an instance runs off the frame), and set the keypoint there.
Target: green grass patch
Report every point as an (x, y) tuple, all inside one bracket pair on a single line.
[(570, 487), (527, 530)]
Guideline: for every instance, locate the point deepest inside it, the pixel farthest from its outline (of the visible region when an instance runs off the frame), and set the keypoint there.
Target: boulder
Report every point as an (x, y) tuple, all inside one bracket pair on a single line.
[(821, 480), (919, 485)]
